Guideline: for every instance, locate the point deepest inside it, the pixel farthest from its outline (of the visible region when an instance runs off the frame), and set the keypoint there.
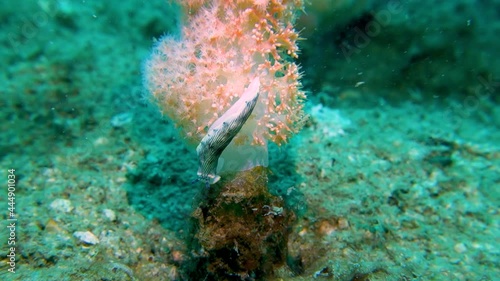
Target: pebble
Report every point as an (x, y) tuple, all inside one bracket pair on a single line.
[(110, 214), (460, 248), (86, 237), (61, 205), (343, 223)]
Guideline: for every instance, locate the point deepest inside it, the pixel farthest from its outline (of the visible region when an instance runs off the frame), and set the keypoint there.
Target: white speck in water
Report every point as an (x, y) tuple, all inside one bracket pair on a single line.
[(121, 119)]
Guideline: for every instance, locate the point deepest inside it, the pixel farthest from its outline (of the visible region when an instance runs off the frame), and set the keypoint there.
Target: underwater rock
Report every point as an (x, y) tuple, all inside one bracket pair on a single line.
[(241, 229)]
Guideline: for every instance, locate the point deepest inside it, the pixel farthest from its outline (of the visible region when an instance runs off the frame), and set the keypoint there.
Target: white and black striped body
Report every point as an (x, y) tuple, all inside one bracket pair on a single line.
[(222, 131)]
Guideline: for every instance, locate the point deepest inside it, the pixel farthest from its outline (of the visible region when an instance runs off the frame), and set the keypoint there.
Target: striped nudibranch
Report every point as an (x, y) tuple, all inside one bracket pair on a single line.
[(222, 131)]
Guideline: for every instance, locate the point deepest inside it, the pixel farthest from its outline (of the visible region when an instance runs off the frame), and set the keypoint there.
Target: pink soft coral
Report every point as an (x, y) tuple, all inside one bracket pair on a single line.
[(225, 44)]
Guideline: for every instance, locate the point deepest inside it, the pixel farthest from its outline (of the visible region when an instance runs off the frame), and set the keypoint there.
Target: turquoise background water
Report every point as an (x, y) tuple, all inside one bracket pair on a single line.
[(394, 177)]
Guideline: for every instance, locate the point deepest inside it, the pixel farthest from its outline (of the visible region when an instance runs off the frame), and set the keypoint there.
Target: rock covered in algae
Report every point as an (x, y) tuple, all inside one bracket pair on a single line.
[(241, 229)]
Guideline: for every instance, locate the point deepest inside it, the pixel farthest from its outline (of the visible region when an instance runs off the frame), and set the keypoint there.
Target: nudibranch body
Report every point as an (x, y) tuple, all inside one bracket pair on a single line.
[(222, 131)]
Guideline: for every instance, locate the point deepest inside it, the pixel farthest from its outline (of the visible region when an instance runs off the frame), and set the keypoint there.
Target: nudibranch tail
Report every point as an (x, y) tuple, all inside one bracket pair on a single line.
[(223, 130)]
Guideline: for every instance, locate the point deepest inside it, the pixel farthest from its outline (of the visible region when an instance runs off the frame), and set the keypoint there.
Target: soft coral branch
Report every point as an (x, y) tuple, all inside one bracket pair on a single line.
[(224, 45)]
